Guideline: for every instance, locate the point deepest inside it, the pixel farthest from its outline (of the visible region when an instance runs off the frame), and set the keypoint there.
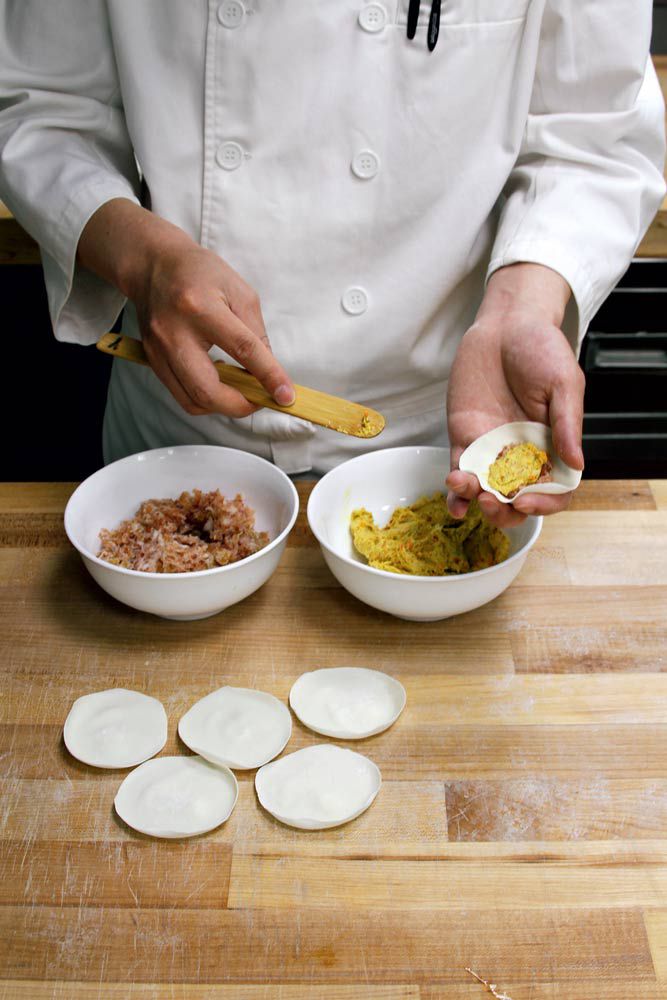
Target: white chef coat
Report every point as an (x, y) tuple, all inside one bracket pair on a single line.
[(362, 185)]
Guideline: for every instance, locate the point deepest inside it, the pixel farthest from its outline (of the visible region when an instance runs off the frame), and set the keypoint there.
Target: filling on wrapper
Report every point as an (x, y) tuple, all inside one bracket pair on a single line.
[(425, 540), (519, 465), (194, 532)]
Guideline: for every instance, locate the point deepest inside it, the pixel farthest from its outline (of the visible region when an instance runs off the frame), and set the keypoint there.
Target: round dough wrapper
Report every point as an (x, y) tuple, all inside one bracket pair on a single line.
[(347, 702), (176, 797), (115, 728), (237, 727), (318, 787), (482, 453)]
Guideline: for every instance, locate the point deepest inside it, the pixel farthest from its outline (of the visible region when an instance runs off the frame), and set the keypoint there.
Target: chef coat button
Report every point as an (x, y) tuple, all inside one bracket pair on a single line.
[(229, 156), (355, 301), (373, 17), (230, 13), (365, 164)]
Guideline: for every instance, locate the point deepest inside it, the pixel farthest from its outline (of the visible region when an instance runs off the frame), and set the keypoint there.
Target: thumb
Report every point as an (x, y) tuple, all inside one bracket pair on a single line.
[(566, 416)]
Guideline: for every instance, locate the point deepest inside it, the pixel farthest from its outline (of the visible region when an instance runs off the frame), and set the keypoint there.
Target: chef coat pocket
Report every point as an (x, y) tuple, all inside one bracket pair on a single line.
[(468, 12)]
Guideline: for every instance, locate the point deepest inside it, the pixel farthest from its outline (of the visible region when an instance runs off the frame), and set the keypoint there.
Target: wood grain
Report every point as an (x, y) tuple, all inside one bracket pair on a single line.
[(606, 876), (449, 700), (436, 753), (613, 494), (656, 928), (18, 990), (322, 946), (31, 498), (70, 620), (646, 989), (539, 809), (659, 491), (637, 555), (409, 819), (114, 874), (520, 829)]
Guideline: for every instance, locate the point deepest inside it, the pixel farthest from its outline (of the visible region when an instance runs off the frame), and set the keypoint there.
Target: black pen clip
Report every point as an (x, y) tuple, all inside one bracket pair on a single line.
[(413, 18), (433, 25), (433, 22)]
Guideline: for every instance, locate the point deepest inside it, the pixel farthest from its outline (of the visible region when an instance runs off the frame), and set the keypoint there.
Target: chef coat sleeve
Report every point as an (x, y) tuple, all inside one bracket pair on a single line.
[(64, 146), (588, 181)]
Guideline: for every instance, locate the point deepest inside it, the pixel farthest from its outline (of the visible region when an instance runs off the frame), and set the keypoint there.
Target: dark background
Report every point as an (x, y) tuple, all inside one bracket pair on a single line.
[(54, 394), (659, 43)]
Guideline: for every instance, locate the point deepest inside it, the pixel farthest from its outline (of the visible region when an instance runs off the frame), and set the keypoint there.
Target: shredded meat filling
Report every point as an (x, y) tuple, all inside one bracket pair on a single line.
[(196, 531)]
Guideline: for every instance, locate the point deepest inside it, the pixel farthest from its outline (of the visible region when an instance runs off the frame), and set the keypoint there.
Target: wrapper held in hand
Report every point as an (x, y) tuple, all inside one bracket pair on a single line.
[(482, 453)]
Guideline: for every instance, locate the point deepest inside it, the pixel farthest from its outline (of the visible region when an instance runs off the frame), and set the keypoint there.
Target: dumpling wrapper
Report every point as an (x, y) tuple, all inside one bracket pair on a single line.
[(318, 787), (482, 453), (175, 797), (115, 728), (347, 702), (237, 727)]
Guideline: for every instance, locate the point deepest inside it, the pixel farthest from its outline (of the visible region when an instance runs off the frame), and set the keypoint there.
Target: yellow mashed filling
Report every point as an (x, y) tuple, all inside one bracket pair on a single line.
[(517, 466), (425, 540)]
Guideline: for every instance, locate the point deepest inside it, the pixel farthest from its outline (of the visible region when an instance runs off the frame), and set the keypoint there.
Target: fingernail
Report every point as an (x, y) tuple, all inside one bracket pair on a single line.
[(284, 395)]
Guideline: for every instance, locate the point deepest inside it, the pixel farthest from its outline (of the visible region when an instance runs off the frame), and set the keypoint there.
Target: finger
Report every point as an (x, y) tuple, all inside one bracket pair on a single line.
[(566, 416), (195, 371), (455, 456), (231, 334), (542, 503), (502, 515), (248, 309), (463, 484), (161, 368), (457, 506)]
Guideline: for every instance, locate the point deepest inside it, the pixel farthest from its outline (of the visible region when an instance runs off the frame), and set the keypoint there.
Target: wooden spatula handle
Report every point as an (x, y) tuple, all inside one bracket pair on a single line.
[(309, 404), (132, 350)]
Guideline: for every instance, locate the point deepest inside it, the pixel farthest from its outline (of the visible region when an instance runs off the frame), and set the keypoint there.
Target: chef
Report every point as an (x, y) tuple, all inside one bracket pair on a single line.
[(409, 222)]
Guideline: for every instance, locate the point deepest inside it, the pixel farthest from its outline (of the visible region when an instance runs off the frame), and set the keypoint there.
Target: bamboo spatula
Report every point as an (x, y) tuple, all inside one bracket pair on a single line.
[(317, 407)]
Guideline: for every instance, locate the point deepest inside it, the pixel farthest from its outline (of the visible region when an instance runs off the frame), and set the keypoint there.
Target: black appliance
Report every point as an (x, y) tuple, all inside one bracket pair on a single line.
[(624, 357)]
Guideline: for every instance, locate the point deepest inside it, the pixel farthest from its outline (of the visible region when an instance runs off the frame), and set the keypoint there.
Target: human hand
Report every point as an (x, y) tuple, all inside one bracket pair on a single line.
[(514, 363), (187, 300)]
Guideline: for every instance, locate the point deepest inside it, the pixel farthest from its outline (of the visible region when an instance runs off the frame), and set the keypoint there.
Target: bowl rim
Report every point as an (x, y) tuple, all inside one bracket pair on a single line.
[(193, 574), (405, 578)]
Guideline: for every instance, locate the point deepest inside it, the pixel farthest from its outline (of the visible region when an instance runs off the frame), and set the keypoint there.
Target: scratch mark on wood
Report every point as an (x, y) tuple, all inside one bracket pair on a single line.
[(490, 987)]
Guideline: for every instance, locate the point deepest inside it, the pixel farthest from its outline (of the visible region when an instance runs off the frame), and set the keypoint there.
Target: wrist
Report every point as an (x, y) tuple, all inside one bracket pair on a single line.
[(122, 241), (526, 289)]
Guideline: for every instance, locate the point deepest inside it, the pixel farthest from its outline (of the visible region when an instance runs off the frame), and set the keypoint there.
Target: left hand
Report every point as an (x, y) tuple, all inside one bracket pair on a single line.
[(514, 363)]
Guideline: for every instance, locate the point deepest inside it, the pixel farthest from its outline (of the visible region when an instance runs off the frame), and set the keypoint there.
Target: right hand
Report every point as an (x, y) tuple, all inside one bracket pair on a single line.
[(188, 300)]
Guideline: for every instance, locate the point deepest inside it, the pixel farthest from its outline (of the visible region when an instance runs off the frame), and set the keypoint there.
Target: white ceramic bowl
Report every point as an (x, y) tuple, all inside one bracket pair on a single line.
[(381, 481), (115, 492)]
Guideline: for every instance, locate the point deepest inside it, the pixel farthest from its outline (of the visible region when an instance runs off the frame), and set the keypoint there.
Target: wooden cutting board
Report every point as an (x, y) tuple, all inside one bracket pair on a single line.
[(521, 829)]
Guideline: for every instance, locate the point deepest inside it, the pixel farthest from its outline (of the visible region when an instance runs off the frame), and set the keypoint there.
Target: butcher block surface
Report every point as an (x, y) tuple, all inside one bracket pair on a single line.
[(521, 830)]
